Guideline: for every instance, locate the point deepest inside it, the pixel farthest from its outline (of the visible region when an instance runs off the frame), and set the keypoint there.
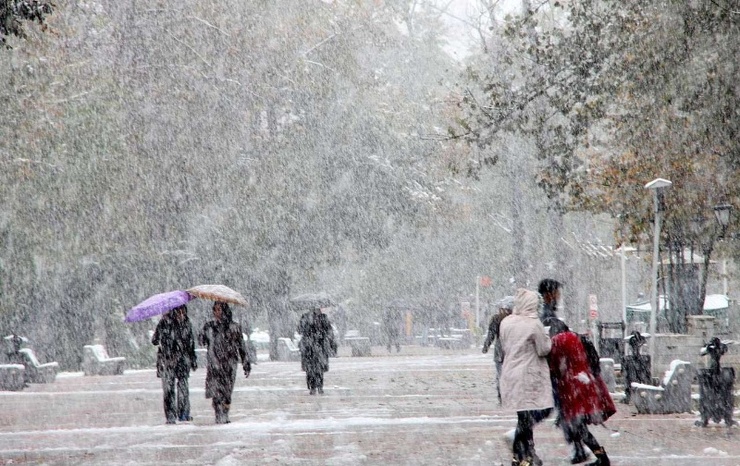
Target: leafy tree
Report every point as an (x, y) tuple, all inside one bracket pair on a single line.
[(13, 14), (615, 95), (252, 144)]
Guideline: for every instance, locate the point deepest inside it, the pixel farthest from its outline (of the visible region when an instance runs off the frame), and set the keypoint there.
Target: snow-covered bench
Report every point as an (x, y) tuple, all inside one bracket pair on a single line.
[(672, 396), (11, 377), (287, 350), (360, 345), (454, 342), (37, 372), (95, 361), (607, 373)]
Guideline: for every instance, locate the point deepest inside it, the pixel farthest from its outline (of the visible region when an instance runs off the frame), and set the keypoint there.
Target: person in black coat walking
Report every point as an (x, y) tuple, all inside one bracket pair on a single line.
[(316, 345), (175, 359), (223, 338)]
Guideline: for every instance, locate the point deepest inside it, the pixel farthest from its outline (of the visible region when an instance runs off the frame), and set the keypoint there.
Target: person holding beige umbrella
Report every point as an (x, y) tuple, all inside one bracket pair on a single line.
[(222, 337)]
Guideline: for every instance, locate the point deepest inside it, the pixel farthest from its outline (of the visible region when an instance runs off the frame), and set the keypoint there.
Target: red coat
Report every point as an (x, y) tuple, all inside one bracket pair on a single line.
[(579, 392)]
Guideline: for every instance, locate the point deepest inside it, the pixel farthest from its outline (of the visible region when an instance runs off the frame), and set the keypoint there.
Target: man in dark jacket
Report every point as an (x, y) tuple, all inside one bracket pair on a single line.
[(549, 289), (505, 306), (316, 345), (223, 338), (175, 359), (392, 321)]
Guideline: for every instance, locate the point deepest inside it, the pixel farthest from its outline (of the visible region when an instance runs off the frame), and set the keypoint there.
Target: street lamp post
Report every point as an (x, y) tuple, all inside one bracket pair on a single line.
[(722, 214), (656, 186)]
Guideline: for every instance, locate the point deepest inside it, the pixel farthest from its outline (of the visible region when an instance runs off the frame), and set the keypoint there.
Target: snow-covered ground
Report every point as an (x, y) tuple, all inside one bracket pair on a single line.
[(422, 406)]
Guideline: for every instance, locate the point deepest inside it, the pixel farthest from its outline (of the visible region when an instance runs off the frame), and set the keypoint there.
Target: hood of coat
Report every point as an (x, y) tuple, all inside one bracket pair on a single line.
[(526, 303)]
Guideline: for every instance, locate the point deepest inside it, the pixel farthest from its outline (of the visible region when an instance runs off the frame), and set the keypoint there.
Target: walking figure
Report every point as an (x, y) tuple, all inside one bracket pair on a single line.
[(392, 328), (316, 345), (505, 306), (636, 367), (223, 338), (584, 397), (525, 375), (175, 359)]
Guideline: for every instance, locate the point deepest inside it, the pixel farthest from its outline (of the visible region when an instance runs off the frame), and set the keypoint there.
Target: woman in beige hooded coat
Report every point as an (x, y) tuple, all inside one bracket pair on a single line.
[(525, 378)]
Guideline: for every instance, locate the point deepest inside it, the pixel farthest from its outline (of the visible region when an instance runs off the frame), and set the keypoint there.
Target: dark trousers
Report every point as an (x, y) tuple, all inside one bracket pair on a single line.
[(315, 379), (524, 436), (576, 432), (176, 396)]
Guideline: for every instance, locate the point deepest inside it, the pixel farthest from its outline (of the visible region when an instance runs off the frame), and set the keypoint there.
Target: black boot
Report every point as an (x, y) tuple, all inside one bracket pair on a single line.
[(601, 458), (219, 411), (524, 462), (226, 413), (579, 454)]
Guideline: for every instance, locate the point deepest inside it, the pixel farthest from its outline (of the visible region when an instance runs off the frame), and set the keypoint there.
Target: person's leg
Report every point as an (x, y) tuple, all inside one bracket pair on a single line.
[(183, 399), (168, 391), (499, 366), (601, 458), (575, 431), (523, 436), (218, 409), (228, 391), (311, 380), (320, 382)]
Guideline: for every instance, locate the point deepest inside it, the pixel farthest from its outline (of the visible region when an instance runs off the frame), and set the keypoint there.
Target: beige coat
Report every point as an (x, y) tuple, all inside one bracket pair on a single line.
[(525, 378)]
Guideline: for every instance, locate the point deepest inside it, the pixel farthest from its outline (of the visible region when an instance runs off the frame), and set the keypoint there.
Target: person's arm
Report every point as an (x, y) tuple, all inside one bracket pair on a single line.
[(156, 336), (542, 342), (490, 335), (242, 349), (191, 348)]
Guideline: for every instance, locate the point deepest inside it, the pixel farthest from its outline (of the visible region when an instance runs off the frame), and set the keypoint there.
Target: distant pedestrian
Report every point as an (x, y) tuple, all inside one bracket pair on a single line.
[(13, 353), (505, 306), (549, 289), (584, 397), (175, 359), (392, 328), (340, 319), (316, 345), (525, 373), (635, 367), (224, 341)]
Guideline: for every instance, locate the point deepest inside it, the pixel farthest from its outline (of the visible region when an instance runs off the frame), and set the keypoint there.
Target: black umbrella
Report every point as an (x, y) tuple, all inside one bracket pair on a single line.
[(312, 300)]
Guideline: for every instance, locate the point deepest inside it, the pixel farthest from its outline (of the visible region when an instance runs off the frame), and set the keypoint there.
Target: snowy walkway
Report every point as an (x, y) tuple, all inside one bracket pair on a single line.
[(419, 407)]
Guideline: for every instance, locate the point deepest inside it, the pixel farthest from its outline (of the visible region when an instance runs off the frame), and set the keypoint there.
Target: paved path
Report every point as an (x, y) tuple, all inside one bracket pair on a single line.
[(418, 407)]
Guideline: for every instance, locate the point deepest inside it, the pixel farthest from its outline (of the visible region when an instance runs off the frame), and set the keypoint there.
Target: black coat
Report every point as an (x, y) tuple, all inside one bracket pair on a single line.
[(226, 347), (317, 342), (176, 343)]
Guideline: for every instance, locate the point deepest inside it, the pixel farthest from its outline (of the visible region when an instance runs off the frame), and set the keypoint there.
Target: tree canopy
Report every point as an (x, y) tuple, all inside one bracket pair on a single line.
[(616, 94)]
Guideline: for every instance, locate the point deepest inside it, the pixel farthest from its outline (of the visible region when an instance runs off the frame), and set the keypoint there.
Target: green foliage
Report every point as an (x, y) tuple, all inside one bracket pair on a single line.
[(13, 14), (617, 94)]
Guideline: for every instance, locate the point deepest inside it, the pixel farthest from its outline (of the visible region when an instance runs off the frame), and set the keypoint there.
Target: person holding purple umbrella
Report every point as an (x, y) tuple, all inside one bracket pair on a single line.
[(175, 358)]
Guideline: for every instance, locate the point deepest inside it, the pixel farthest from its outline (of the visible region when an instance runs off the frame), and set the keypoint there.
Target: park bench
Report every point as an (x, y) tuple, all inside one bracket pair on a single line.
[(672, 396), (37, 372), (607, 373), (287, 350), (360, 345), (454, 342), (95, 361), (12, 377)]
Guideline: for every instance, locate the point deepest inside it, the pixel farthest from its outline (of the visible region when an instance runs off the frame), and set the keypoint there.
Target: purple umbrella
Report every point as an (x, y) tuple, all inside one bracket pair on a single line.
[(157, 305)]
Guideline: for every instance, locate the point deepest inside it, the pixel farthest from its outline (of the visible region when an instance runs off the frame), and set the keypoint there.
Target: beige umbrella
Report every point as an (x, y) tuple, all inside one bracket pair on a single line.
[(218, 293)]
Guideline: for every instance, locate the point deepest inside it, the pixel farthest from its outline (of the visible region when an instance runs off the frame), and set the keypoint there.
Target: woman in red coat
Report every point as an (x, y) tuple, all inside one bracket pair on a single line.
[(584, 398)]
